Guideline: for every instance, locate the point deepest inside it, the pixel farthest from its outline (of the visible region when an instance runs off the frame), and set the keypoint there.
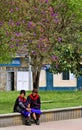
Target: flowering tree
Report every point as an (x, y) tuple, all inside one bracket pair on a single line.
[(48, 29), (8, 45)]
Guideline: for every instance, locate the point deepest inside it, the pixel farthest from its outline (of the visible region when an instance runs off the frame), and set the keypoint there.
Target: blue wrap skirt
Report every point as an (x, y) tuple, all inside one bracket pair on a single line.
[(27, 113)]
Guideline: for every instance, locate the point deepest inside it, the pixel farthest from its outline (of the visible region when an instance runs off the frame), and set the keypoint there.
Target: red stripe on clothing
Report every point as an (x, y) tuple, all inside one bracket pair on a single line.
[(34, 97), (22, 99)]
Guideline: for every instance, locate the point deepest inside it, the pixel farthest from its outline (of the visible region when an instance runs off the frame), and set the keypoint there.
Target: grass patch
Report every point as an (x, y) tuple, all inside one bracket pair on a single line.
[(59, 99)]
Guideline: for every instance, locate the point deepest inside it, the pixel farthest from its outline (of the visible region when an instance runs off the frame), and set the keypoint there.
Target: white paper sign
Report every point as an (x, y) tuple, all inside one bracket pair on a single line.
[(72, 76)]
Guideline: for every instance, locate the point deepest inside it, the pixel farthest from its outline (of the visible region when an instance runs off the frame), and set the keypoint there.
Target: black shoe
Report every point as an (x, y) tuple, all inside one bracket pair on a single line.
[(27, 123), (37, 122)]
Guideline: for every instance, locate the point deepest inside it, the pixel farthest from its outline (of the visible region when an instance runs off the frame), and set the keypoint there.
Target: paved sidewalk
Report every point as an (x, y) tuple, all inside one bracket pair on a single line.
[(73, 124)]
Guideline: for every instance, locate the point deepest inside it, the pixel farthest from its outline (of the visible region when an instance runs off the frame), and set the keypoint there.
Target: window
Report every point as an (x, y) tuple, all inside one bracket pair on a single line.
[(23, 69), (11, 69), (65, 75)]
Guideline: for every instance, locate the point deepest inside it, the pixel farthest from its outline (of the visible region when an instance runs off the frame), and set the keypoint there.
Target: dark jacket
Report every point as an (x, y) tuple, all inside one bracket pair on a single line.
[(34, 101), (20, 104)]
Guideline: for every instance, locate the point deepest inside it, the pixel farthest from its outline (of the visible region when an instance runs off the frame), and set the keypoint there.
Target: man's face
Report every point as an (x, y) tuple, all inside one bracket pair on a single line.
[(22, 95), (34, 93)]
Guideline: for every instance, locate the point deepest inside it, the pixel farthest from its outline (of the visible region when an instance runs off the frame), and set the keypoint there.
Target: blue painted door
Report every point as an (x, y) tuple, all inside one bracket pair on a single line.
[(49, 80), (79, 83)]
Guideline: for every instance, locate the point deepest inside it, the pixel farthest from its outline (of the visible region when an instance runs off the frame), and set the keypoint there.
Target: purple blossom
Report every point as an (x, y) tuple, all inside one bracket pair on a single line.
[(34, 34), (18, 34), (11, 10), (11, 46), (43, 20), (34, 26), (47, 21), (46, 1), (56, 66), (34, 52), (45, 49), (18, 23), (59, 39), (43, 12), (11, 22), (23, 21), (30, 41), (17, 44), (17, 8), (1, 23), (56, 21), (13, 39), (17, 40), (25, 44), (40, 38), (7, 34), (54, 14), (30, 24), (51, 9), (42, 44), (54, 57), (36, 9), (39, 45)]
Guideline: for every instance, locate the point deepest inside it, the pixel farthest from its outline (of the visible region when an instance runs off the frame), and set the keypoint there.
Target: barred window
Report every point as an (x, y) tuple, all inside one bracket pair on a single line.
[(65, 75), (23, 69)]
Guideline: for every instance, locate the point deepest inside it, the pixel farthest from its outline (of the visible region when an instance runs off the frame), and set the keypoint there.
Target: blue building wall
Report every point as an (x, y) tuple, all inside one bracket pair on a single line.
[(49, 84)]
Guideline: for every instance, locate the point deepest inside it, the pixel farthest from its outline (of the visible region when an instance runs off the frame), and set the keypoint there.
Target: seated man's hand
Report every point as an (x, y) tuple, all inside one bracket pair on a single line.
[(28, 109)]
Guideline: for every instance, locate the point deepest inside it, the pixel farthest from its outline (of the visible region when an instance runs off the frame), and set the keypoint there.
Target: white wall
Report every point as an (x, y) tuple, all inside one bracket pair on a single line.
[(58, 82), (42, 82)]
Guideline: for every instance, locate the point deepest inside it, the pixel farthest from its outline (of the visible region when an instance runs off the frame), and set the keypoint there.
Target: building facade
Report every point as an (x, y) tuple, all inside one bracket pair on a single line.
[(18, 75)]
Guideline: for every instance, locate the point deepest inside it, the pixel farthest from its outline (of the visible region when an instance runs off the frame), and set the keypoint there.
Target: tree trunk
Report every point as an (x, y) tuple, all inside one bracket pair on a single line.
[(36, 76)]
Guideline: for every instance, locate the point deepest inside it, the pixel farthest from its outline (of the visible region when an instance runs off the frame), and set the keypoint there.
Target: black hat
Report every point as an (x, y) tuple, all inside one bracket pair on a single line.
[(35, 90)]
